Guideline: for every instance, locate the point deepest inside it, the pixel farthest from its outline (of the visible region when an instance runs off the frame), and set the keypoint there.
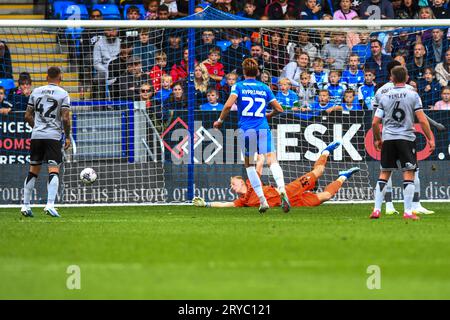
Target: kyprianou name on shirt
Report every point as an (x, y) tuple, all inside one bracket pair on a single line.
[(257, 92)]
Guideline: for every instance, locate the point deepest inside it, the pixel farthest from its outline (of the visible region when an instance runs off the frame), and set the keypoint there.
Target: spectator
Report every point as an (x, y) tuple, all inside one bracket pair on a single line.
[(234, 55), (362, 49), (145, 50), (162, 95), (311, 11), (400, 58), (306, 90), (405, 42), (335, 88), (213, 101), (376, 10), (249, 10), (158, 70), (293, 70), (215, 68), (5, 106), (350, 102), (6, 70), (118, 68), (409, 9), (436, 47), (443, 104), (231, 79), (173, 47), (172, 9), (278, 8), (278, 56), (146, 93), (131, 34), (443, 70), (378, 61), (151, 9), (323, 103), (440, 9), (353, 77), (366, 93), (228, 6), (131, 83), (201, 83), (106, 49), (177, 99), (319, 77), (88, 39), (416, 67), (429, 88), (256, 52), (180, 71), (425, 13), (207, 43), (303, 44), (345, 12), (19, 95), (286, 97), (266, 78), (336, 53)]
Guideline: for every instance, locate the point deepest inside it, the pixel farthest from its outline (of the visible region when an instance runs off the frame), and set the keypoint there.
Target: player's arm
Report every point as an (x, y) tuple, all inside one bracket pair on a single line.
[(29, 116), (200, 202), (426, 128), (225, 111), (377, 142), (65, 117), (276, 109)]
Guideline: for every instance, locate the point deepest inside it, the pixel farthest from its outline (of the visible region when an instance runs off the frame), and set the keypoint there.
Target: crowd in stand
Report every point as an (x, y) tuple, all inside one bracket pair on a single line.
[(308, 70)]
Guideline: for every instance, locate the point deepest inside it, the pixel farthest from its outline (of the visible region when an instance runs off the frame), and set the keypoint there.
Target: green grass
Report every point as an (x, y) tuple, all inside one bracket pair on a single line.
[(190, 253)]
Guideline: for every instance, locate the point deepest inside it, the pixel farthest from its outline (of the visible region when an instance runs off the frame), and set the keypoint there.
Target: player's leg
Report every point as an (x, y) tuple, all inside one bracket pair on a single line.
[(54, 158), (319, 165), (36, 156), (416, 205), (249, 147), (390, 209), (408, 161), (331, 189)]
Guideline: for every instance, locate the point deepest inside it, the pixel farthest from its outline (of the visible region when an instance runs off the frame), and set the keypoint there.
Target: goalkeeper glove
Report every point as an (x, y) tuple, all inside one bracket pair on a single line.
[(200, 202)]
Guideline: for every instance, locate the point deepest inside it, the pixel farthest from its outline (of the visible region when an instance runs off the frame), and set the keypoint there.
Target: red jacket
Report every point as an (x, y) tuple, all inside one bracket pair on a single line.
[(179, 71), (155, 75)]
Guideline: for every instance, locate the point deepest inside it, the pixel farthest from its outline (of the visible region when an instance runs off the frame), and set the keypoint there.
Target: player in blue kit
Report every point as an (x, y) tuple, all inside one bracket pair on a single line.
[(252, 98)]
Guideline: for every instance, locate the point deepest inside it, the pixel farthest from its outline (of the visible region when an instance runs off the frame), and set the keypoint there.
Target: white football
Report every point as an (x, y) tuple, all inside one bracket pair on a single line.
[(88, 176)]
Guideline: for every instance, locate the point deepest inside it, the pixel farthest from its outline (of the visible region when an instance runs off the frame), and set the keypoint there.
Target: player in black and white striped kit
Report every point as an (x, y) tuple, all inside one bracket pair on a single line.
[(48, 113), (397, 110)]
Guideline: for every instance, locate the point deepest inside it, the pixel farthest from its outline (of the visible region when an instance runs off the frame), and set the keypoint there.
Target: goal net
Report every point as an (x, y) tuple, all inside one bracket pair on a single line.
[(144, 98)]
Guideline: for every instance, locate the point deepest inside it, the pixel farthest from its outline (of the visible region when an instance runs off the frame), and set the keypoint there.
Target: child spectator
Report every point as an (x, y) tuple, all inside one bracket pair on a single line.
[(118, 68), (350, 102), (335, 89), (311, 11), (173, 47), (231, 79), (266, 78), (443, 104), (345, 13), (293, 70), (145, 50), (162, 95), (151, 7), (236, 53), (171, 6), (130, 84), (276, 9), (213, 103), (201, 83), (208, 42), (319, 77), (215, 68), (19, 95), (323, 103), (286, 97), (5, 106), (362, 49), (353, 77), (440, 9), (180, 71), (336, 53), (278, 57), (249, 10), (376, 10), (306, 90), (366, 93), (158, 70), (164, 13), (429, 88)]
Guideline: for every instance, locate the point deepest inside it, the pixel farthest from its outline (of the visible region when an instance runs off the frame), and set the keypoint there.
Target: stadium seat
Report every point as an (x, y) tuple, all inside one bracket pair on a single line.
[(76, 12), (59, 8), (8, 84), (109, 11), (141, 10)]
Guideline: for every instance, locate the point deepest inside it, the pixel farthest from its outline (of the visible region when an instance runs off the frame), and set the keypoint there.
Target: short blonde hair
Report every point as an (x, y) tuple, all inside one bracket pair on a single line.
[(236, 177), (167, 77), (284, 81)]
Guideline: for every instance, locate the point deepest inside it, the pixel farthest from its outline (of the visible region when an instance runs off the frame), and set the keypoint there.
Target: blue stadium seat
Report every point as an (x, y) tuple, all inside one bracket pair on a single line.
[(141, 10), (109, 11), (59, 8), (76, 12), (8, 84)]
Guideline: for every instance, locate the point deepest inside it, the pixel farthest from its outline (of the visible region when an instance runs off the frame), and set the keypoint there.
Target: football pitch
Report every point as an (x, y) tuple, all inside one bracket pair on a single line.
[(183, 252)]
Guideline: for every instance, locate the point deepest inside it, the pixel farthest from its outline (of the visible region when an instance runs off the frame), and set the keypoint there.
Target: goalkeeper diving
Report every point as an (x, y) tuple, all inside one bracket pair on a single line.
[(299, 191)]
